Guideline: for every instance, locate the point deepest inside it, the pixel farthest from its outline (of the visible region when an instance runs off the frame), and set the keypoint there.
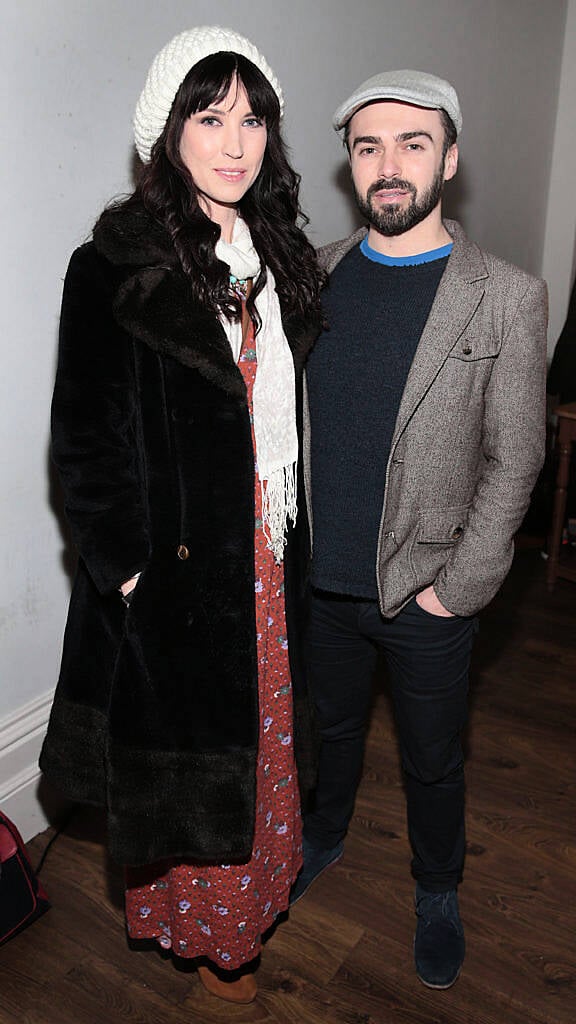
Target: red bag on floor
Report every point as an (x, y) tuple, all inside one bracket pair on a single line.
[(22, 897)]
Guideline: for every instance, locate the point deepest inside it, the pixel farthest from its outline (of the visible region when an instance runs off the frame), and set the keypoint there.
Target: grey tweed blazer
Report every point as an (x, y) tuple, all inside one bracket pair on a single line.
[(470, 434)]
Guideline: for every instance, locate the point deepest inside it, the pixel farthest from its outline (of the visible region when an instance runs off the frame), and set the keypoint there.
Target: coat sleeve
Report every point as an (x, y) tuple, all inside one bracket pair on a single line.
[(94, 427), (513, 449)]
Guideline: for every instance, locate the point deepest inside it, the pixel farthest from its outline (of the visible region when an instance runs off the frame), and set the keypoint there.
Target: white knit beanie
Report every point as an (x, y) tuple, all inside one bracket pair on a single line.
[(169, 69)]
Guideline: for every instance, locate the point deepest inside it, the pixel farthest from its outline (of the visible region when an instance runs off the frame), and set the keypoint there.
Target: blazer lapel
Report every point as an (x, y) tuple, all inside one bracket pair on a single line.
[(459, 294), (330, 255)]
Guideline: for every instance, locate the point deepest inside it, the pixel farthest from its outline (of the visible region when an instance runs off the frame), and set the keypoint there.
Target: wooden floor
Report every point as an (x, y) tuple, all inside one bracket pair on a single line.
[(345, 953)]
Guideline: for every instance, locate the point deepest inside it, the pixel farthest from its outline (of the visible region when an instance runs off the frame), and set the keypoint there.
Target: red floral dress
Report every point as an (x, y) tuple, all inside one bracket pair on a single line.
[(222, 911)]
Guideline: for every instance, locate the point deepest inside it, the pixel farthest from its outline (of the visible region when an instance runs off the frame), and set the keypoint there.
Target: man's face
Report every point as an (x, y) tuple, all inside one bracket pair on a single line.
[(398, 170)]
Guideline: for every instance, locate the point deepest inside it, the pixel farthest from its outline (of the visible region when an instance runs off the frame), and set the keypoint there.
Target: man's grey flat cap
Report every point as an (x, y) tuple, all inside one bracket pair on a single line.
[(416, 87)]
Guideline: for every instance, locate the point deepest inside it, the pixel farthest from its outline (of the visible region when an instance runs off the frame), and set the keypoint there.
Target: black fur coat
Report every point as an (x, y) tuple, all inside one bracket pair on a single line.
[(156, 711)]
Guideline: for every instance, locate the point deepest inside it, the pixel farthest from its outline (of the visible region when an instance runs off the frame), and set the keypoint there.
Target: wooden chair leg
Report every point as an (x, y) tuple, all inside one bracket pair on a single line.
[(559, 512)]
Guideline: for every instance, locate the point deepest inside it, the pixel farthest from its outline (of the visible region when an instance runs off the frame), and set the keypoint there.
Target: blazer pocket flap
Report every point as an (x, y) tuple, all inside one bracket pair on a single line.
[(469, 350), (442, 525)]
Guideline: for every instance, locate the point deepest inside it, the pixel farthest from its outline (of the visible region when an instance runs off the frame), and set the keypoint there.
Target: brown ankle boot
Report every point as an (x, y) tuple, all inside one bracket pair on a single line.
[(240, 989)]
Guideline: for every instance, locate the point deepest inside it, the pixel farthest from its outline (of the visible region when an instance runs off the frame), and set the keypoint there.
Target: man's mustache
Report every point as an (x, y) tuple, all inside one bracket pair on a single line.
[(390, 184)]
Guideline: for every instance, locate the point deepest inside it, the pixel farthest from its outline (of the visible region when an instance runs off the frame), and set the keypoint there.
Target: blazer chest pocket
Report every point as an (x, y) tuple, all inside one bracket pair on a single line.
[(472, 349)]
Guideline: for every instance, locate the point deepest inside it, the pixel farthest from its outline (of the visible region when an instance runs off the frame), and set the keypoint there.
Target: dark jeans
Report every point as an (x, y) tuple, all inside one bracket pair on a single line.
[(428, 658)]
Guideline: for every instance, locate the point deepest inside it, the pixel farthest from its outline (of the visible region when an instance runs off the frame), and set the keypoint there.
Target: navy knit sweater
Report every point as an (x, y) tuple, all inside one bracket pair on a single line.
[(356, 375)]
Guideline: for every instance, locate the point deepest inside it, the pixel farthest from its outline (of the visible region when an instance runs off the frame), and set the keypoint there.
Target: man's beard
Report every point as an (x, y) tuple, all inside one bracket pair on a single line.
[(391, 219)]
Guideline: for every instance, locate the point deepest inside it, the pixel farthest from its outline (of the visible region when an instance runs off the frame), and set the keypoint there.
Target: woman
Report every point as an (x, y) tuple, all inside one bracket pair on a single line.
[(182, 323)]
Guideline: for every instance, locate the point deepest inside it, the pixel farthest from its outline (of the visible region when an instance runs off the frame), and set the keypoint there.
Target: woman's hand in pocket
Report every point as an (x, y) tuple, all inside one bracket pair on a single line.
[(127, 588)]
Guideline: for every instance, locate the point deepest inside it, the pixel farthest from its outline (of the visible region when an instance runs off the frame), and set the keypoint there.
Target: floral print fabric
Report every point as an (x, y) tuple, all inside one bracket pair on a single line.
[(221, 911)]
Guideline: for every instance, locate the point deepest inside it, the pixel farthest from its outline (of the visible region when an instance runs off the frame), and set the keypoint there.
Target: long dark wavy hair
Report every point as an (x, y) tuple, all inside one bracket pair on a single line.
[(270, 207)]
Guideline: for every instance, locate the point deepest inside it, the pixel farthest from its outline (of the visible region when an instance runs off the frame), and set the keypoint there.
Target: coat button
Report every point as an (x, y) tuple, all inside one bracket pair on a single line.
[(183, 552), (467, 351), (457, 532)]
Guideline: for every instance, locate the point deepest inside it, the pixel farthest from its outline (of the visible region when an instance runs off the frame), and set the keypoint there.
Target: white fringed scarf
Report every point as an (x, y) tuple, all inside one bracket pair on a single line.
[(274, 396)]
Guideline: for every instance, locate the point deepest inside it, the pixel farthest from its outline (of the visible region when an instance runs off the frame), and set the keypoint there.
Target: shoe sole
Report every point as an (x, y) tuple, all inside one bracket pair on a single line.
[(440, 988)]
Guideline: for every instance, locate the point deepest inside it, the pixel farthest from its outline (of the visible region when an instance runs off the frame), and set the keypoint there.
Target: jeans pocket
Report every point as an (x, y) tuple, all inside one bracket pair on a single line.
[(432, 616)]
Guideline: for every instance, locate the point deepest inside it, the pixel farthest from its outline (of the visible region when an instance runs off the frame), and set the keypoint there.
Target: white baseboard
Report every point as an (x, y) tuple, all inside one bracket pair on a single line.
[(21, 736)]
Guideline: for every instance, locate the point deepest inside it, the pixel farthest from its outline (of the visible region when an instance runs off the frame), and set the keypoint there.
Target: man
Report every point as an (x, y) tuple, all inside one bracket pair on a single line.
[(424, 438)]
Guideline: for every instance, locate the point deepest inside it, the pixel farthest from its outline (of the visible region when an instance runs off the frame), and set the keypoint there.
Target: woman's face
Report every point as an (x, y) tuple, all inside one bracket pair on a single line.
[(223, 148)]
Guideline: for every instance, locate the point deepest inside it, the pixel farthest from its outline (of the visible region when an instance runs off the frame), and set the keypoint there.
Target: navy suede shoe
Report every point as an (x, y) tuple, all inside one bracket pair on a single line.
[(439, 942), (316, 860)]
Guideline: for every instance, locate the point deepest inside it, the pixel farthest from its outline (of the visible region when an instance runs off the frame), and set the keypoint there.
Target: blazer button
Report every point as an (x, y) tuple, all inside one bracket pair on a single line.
[(183, 552), (467, 351), (457, 532)]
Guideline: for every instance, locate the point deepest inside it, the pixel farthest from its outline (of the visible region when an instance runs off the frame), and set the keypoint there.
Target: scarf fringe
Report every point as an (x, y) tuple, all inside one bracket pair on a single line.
[(278, 505)]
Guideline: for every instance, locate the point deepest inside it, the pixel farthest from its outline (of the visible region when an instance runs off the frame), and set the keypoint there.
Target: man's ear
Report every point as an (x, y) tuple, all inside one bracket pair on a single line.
[(451, 162)]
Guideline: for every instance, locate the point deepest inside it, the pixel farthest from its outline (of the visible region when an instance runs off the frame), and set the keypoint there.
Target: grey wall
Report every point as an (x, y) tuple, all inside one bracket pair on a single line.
[(73, 70), (559, 256)]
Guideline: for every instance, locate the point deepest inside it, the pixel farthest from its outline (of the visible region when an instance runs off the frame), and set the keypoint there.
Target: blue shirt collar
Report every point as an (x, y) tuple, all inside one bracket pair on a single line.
[(404, 261)]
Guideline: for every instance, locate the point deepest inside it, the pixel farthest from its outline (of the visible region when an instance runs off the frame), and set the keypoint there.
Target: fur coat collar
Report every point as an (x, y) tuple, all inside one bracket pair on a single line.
[(153, 301)]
